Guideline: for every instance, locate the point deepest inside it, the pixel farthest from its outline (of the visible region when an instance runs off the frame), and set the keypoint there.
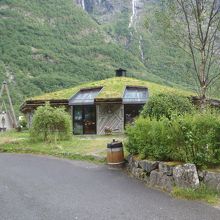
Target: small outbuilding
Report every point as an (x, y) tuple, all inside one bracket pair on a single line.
[(100, 107)]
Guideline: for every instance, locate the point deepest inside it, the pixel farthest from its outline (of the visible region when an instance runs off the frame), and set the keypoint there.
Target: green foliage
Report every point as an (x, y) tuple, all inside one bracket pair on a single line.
[(188, 138), (166, 105), (196, 138), (148, 137), (23, 122), (54, 44), (50, 45), (51, 124)]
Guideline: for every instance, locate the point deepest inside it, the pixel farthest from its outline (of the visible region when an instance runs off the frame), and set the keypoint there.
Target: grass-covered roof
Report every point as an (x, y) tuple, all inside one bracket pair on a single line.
[(112, 88)]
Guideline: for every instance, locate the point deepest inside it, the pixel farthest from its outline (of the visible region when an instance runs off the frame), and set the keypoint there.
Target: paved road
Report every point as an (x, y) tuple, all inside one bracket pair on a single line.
[(41, 188)]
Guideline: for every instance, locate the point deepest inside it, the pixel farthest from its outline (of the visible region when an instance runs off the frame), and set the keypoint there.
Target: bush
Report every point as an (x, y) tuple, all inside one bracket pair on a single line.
[(148, 137), (196, 138), (51, 124), (165, 105), (191, 138)]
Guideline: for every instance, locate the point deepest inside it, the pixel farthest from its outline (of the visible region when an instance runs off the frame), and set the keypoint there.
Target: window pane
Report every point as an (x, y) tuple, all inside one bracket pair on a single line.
[(77, 113), (90, 113), (135, 95), (78, 127), (90, 119), (85, 97)]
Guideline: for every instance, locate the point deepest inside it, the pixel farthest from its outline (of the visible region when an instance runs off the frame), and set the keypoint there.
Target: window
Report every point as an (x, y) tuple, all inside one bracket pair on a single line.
[(135, 95), (85, 97)]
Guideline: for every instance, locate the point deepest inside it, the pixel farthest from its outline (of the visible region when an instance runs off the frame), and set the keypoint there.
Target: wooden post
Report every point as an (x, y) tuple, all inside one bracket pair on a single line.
[(6, 90)]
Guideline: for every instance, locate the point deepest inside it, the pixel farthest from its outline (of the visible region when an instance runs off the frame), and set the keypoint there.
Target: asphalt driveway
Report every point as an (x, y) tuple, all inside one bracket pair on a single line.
[(41, 188)]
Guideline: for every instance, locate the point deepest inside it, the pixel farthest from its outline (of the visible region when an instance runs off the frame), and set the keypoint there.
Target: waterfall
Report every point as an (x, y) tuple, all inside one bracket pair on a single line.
[(83, 4), (141, 48), (134, 13)]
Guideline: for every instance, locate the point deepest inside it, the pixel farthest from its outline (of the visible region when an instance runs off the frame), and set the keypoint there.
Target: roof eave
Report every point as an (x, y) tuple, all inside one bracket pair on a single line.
[(29, 105), (108, 100)]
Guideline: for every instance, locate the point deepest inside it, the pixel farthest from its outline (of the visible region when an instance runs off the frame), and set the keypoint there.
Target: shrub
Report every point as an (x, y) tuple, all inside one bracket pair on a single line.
[(148, 137), (191, 138), (166, 105), (195, 138), (50, 124)]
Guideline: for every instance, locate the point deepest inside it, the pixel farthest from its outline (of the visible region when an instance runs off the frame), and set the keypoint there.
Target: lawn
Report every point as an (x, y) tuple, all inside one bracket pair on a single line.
[(92, 147)]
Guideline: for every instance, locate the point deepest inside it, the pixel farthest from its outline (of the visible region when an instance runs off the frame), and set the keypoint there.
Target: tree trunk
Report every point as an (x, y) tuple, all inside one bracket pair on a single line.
[(203, 97), (202, 76)]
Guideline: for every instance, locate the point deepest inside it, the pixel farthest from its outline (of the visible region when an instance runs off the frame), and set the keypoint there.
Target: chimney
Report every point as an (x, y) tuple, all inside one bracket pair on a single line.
[(120, 72)]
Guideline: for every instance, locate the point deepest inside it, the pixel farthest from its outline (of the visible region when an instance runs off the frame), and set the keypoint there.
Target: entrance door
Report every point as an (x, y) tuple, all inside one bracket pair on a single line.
[(89, 119), (84, 119)]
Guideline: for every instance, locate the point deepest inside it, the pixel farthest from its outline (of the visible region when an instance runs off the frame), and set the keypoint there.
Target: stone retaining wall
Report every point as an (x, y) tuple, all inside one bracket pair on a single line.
[(166, 176)]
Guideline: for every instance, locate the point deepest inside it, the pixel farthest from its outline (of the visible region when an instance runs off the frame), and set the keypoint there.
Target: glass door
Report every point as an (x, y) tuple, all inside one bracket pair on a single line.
[(90, 119), (84, 119), (78, 120)]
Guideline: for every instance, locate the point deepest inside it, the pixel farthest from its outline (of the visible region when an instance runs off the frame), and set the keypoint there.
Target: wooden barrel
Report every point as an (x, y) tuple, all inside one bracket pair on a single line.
[(115, 153)]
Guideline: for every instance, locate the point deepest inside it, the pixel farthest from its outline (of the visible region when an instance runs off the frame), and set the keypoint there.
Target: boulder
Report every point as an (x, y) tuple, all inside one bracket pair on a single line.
[(161, 180), (186, 176), (166, 169), (148, 165), (212, 180)]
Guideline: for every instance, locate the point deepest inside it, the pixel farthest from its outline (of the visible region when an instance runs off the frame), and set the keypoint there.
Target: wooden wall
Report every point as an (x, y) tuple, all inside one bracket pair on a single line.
[(110, 116)]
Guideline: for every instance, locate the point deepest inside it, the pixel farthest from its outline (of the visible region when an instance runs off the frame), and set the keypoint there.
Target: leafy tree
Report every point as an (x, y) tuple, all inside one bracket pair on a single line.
[(50, 124), (164, 105)]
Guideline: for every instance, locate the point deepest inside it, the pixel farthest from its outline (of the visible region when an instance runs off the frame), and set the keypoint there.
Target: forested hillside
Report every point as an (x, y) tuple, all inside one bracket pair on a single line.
[(139, 26), (53, 44), (47, 45)]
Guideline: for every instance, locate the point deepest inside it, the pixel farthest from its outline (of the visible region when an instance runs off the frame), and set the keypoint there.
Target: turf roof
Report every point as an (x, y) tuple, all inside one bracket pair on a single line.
[(112, 88)]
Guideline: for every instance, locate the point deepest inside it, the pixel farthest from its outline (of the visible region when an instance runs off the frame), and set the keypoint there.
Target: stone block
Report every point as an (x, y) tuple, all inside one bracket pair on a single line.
[(186, 176), (148, 165), (212, 180), (161, 180), (138, 173), (166, 169)]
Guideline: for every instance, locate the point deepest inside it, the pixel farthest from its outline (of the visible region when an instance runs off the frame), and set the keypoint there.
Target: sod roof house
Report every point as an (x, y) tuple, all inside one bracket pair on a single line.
[(100, 107)]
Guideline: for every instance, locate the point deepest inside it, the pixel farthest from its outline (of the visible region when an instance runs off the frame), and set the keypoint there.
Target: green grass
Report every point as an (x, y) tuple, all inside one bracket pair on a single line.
[(202, 193), (113, 88), (92, 148)]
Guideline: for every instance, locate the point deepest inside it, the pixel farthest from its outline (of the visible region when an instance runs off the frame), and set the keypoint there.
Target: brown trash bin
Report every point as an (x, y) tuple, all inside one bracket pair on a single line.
[(115, 153)]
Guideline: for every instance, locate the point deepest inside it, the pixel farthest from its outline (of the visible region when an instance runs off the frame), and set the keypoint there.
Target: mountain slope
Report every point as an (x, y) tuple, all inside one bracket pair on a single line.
[(134, 25), (47, 45)]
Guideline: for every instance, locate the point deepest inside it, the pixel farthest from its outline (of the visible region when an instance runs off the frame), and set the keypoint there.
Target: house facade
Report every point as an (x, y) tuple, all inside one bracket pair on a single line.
[(101, 107), (90, 115)]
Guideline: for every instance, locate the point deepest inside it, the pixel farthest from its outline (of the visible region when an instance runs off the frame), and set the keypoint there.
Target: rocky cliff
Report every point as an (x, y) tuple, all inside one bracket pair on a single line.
[(123, 20)]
